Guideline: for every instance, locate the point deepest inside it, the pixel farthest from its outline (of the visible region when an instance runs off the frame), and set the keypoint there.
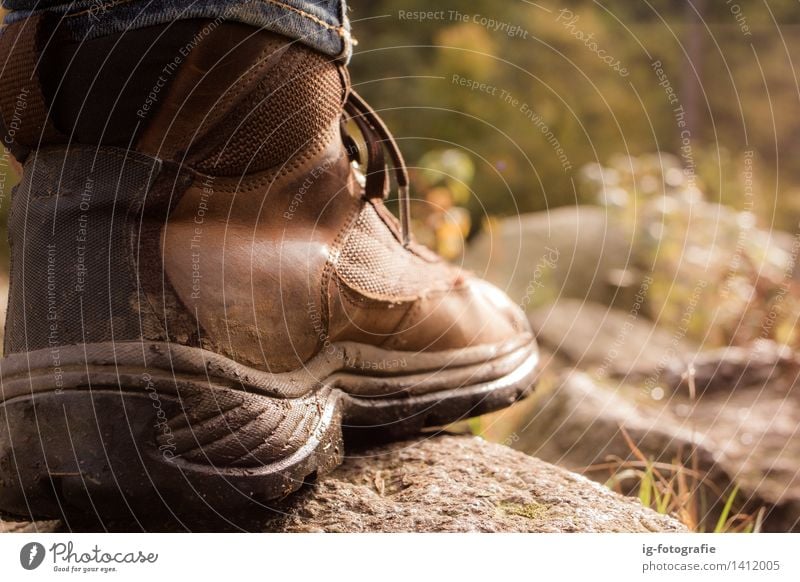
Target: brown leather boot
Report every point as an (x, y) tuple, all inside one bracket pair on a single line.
[(193, 318)]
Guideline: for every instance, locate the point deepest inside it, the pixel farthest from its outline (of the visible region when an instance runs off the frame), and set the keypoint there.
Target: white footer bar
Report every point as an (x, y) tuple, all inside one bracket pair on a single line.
[(401, 557)]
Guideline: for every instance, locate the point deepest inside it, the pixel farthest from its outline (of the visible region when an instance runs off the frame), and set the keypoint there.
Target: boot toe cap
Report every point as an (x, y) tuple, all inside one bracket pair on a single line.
[(475, 313)]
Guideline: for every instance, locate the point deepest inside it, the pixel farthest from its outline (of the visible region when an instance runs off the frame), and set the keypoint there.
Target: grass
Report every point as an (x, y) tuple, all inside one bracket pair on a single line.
[(681, 491), (679, 488)]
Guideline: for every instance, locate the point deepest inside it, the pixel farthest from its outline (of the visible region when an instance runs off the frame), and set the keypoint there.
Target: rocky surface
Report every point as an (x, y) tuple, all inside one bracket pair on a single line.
[(29, 527), (459, 484), (463, 484), (745, 431), (612, 341)]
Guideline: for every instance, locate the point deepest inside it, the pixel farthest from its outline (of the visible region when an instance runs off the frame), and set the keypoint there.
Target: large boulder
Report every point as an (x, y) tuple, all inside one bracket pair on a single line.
[(457, 484), (607, 340), (576, 251)]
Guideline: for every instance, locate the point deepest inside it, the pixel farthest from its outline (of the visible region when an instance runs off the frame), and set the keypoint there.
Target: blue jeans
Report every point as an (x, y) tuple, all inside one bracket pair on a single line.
[(320, 24)]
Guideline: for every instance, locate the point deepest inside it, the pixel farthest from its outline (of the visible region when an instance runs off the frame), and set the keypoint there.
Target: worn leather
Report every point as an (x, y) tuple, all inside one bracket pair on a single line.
[(268, 294), (260, 294), (206, 82), (276, 265)]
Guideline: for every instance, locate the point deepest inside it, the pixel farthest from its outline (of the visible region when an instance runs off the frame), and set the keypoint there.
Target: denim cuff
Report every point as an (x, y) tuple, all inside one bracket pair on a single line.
[(320, 24)]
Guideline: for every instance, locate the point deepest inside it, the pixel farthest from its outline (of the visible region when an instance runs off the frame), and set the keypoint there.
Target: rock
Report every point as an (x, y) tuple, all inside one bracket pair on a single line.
[(727, 368), (572, 251), (609, 340), (29, 527), (577, 425), (746, 434), (449, 484), (459, 484)]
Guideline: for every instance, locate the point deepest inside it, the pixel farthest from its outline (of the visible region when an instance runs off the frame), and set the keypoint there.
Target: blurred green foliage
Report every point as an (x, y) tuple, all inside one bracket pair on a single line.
[(731, 71)]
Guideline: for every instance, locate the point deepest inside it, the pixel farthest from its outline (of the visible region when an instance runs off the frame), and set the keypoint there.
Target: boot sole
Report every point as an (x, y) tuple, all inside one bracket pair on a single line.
[(78, 438)]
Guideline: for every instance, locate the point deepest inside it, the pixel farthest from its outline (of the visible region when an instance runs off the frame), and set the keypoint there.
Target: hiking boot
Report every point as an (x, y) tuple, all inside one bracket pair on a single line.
[(205, 288)]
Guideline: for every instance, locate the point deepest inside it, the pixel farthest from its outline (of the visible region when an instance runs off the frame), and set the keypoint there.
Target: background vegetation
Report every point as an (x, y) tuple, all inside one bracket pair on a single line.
[(730, 65)]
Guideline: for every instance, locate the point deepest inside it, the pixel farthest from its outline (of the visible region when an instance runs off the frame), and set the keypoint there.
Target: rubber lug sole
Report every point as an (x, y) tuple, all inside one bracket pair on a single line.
[(96, 454)]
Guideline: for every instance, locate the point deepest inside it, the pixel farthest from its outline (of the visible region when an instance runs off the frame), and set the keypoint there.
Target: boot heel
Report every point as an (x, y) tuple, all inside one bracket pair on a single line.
[(111, 454)]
